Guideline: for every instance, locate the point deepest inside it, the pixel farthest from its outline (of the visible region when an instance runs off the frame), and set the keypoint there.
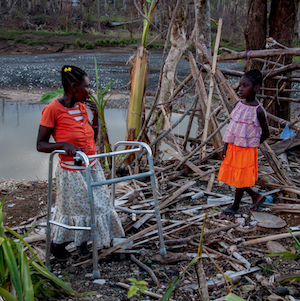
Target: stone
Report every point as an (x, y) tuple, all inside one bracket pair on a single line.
[(293, 291), (99, 281), (275, 247), (281, 291), (275, 297)]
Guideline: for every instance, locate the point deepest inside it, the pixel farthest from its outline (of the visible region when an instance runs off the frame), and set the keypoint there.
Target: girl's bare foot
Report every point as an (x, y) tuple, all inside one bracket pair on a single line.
[(257, 200)]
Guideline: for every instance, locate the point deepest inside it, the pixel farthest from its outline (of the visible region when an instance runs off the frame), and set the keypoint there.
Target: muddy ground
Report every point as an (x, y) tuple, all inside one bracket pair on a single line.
[(27, 200)]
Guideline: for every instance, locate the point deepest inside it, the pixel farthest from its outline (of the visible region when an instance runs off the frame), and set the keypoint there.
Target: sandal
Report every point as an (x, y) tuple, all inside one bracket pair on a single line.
[(59, 251), (265, 199), (83, 250), (228, 214)]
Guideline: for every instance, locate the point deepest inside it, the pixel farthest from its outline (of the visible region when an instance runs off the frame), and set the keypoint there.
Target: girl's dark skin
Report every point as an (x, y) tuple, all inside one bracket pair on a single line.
[(247, 92), (77, 92)]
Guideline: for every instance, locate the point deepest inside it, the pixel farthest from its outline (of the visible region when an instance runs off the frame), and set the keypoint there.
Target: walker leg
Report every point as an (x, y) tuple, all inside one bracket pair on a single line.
[(96, 272), (162, 249), (49, 205)]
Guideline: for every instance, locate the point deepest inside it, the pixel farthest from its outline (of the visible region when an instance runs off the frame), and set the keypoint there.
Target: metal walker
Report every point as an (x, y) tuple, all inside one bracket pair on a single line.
[(93, 228)]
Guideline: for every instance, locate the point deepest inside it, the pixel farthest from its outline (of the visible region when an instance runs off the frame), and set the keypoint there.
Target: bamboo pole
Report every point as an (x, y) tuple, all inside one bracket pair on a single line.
[(211, 86), (269, 238)]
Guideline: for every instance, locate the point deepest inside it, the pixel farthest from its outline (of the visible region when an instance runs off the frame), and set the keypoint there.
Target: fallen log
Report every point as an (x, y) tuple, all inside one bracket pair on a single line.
[(257, 54)]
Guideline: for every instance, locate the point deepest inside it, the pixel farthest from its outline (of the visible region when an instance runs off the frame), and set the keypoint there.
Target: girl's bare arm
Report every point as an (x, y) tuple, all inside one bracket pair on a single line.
[(262, 118), (43, 144)]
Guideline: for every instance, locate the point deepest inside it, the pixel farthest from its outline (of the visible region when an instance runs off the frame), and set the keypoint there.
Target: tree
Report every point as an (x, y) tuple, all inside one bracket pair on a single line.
[(203, 32), (256, 29), (179, 43), (282, 22)]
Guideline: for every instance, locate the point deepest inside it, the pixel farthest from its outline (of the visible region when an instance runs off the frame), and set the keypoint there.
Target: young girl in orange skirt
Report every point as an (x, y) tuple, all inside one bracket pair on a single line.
[(247, 129)]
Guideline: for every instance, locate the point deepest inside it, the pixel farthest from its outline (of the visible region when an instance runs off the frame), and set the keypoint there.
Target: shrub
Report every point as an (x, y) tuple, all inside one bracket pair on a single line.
[(89, 45), (79, 43), (114, 42), (106, 41), (99, 42)]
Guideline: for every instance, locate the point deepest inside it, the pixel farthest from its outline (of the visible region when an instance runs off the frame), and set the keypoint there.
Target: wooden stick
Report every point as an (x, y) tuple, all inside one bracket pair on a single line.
[(211, 182), (211, 86), (202, 289), (223, 255), (269, 238), (146, 268)]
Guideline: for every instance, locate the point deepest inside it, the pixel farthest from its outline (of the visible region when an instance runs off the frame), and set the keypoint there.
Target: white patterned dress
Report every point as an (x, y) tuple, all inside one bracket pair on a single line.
[(73, 208)]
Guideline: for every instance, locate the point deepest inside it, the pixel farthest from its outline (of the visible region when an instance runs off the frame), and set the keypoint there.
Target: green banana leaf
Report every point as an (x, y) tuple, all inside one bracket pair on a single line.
[(50, 95), (13, 268), (7, 295)]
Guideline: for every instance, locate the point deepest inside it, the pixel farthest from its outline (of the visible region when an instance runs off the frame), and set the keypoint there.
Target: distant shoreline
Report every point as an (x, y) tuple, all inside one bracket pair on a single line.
[(119, 100)]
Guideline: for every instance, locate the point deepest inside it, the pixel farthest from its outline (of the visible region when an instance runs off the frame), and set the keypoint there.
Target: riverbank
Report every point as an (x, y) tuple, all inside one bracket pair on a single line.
[(118, 100)]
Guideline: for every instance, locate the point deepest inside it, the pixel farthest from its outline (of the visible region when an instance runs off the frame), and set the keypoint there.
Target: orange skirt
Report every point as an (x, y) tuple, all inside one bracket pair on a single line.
[(240, 166)]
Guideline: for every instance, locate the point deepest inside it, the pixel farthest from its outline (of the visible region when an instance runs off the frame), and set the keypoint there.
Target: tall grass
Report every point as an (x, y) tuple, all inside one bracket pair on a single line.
[(23, 278)]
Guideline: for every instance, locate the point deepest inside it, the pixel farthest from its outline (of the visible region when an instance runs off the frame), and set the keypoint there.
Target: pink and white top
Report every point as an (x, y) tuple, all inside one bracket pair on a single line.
[(244, 128)]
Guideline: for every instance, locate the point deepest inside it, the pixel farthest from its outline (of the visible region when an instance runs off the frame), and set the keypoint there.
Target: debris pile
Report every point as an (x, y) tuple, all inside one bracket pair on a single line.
[(191, 198)]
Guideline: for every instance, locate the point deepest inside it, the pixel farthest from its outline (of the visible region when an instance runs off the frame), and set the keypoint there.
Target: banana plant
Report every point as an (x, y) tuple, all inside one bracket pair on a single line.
[(23, 278), (139, 70), (100, 102)]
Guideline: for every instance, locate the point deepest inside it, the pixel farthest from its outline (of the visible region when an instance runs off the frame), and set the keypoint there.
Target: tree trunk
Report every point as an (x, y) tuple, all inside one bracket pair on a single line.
[(179, 44), (256, 29), (282, 22), (203, 33)]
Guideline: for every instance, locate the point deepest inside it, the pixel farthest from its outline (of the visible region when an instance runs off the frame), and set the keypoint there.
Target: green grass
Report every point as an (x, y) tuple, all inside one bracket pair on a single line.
[(296, 58), (113, 19)]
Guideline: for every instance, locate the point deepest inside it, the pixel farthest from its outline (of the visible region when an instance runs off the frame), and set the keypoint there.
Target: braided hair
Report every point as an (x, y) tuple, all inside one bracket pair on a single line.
[(255, 76), (70, 75)]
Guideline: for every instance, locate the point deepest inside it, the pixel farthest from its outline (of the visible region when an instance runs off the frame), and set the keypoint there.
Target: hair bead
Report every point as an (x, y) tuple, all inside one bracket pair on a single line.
[(70, 75)]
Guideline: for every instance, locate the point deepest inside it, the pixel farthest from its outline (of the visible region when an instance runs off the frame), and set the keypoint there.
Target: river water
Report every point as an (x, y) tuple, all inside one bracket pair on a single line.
[(19, 121), (19, 127)]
